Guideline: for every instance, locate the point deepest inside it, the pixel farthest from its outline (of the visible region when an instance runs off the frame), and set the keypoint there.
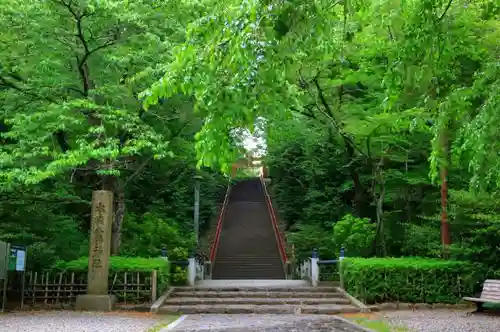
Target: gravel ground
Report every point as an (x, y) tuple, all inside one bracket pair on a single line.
[(444, 320), (76, 322), (264, 323)]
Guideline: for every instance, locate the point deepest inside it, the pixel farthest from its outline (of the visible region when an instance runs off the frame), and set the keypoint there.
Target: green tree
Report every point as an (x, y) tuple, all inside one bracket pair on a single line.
[(69, 104), (71, 121)]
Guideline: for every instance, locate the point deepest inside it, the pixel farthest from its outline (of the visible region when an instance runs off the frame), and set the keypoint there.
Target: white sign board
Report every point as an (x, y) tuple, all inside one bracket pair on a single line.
[(20, 260)]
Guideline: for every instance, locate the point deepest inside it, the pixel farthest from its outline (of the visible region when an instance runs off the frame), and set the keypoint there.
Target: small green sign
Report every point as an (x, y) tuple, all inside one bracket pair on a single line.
[(17, 258)]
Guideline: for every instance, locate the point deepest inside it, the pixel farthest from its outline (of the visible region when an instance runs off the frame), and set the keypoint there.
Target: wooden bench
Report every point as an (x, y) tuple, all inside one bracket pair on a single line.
[(490, 294)]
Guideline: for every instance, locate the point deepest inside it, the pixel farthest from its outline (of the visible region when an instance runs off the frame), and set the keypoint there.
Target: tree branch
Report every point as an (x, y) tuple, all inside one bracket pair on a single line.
[(391, 36), (347, 139), (137, 171), (322, 97), (4, 82), (77, 90), (87, 51), (445, 11), (305, 112)]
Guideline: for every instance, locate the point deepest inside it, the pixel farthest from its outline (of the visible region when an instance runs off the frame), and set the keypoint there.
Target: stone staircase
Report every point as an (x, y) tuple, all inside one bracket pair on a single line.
[(248, 274), (247, 247), (257, 299)]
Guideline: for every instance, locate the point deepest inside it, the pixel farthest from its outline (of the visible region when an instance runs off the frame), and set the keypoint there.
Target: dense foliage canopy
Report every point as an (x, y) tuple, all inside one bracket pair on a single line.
[(365, 103), (71, 122)]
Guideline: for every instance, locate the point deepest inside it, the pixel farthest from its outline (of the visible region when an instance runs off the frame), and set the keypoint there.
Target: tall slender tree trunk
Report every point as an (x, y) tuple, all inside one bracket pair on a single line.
[(445, 227), (380, 220), (359, 199), (119, 208), (379, 202)]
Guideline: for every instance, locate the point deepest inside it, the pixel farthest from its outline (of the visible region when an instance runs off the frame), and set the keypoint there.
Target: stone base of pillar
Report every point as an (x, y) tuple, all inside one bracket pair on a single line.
[(89, 302)]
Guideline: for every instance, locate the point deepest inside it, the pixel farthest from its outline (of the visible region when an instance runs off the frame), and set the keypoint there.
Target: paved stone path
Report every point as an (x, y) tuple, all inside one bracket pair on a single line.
[(265, 323), (68, 321), (437, 320)]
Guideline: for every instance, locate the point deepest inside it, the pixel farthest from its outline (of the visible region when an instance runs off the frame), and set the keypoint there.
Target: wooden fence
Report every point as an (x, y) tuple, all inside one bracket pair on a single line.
[(62, 288)]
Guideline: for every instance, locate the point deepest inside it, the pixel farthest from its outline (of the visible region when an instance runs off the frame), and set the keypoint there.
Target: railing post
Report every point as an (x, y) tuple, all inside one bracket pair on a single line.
[(163, 253), (191, 270), (314, 268), (208, 270), (200, 270), (305, 270), (288, 271), (341, 274)]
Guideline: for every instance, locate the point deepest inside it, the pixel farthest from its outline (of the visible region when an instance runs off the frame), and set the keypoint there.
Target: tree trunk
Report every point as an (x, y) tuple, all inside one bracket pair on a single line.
[(445, 228), (380, 219), (379, 243), (359, 199), (119, 207)]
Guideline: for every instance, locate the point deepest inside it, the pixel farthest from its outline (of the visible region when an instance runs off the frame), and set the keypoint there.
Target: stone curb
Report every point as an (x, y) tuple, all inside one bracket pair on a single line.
[(390, 306), (362, 307), (354, 326), (174, 324), (159, 303)]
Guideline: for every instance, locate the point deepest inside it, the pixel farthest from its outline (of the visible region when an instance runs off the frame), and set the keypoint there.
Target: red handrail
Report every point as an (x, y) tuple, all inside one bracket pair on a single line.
[(279, 235), (215, 243)]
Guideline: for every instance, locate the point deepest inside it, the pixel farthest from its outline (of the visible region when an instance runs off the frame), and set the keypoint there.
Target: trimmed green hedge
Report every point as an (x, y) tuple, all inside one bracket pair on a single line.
[(124, 264), (411, 279)]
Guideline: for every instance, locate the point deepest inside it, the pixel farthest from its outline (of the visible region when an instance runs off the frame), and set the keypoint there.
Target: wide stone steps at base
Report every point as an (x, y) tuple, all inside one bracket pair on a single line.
[(257, 299), (257, 309), (257, 294), (261, 274), (331, 290), (254, 301)]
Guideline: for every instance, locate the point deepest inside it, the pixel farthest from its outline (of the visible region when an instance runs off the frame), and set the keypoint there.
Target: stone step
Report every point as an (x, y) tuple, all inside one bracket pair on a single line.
[(257, 272), (257, 289), (248, 271), (262, 275), (254, 301), (251, 274), (244, 258), (250, 236), (247, 264), (236, 241), (251, 269), (257, 294), (275, 261), (273, 276), (263, 258), (258, 309), (277, 265)]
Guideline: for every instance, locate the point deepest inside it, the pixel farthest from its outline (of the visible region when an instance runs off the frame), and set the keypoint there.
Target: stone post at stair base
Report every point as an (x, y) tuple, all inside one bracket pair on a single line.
[(191, 271), (97, 297), (314, 268), (341, 267)]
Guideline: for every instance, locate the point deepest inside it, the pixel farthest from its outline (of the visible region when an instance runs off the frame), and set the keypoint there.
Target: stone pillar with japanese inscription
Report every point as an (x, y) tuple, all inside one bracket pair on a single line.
[(97, 297)]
